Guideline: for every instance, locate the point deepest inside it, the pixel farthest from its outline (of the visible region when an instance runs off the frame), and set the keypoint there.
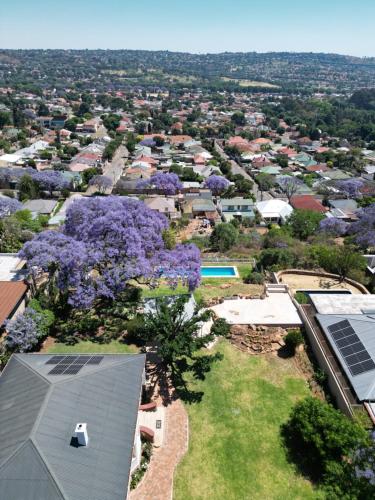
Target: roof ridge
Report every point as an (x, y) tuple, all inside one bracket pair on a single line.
[(14, 453), (31, 368), (45, 464), (43, 461)]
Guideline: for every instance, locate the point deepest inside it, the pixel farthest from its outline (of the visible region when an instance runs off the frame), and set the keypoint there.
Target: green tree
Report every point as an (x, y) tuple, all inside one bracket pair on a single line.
[(325, 444), (238, 118), (304, 223), (265, 182), (10, 235), (27, 188), (5, 119), (173, 332), (223, 237), (342, 260)]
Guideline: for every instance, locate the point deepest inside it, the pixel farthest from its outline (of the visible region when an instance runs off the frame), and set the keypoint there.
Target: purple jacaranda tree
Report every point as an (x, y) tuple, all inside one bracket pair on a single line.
[(167, 183), (101, 182), (8, 175), (50, 180), (23, 332), (351, 187), (333, 226), (8, 206), (289, 185), (217, 184), (364, 228), (106, 244)]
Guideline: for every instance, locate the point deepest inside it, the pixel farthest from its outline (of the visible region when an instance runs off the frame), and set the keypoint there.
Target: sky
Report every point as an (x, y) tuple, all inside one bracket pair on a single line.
[(199, 26)]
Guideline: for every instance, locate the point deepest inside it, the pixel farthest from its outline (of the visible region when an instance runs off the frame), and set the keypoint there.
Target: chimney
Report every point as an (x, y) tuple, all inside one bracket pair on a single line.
[(81, 434)]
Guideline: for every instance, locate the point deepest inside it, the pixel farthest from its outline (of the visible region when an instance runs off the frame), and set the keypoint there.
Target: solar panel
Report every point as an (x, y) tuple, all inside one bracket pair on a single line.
[(54, 360), (338, 326), (351, 348), (95, 360), (73, 369), (58, 370), (83, 359), (70, 365)]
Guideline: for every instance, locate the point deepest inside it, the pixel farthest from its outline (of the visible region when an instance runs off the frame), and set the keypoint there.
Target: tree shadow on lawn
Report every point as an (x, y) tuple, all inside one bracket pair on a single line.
[(171, 384), (298, 456)]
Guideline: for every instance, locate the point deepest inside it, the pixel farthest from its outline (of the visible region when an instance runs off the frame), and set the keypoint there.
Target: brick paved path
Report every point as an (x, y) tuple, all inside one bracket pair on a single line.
[(157, 483)]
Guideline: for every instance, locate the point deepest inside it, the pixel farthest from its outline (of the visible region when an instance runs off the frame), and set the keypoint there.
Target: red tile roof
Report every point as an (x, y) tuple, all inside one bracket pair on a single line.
[(11, 293), (307, 202)]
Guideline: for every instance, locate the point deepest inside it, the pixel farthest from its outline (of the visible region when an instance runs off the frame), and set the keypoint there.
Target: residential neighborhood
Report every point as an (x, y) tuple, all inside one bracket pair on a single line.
[(187, 275)]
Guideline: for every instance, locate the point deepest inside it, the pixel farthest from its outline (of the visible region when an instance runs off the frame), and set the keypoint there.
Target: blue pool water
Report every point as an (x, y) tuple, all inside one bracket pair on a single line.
[(218, 272)]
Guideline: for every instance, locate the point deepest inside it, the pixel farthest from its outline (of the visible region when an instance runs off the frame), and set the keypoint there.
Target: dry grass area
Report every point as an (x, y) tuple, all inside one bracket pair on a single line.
[(306, 282), (249, 83)]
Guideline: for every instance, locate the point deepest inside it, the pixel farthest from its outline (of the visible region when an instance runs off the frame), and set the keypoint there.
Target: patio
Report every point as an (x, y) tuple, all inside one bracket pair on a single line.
[(277, 309)]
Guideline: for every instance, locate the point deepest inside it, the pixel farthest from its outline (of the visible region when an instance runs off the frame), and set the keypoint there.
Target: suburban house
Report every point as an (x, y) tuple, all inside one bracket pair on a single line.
[(200, 207), (164, 206), (69, 426), (307, 202), (13, 295), (274, 211), (344, 209), (40, 206), (236, 208), (340, 328)]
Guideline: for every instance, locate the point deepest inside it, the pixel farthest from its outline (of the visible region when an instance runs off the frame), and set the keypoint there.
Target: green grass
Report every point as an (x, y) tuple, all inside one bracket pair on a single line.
[(88, 347), (210, 287), (235, 450)]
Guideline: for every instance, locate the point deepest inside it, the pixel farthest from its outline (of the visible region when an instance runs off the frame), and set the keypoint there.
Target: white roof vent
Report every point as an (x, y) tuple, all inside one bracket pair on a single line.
[(81, 435)]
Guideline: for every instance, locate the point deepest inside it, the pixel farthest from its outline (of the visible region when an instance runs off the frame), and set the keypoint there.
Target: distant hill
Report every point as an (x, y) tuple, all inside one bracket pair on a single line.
[(287, 71)]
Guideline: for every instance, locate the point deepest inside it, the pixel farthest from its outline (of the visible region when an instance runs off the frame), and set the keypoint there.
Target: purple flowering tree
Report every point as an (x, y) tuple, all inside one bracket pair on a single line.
[(23, 332), (333, 226), (289, 185), (351, 187), (217, 184), (8, 206), (364, 227), (167, 183), (107, 244), (101, 182), (50, 180)]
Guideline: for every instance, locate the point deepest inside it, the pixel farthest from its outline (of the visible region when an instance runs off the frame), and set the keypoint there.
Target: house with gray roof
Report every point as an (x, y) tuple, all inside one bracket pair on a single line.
[(40, 206), (69, 426), (238, 207)]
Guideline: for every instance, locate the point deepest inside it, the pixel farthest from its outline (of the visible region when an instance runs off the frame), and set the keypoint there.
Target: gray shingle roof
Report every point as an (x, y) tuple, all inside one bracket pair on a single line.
[(38, 415)]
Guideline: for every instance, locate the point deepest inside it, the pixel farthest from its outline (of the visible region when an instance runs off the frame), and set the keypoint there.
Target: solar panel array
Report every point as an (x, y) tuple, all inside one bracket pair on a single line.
[(71, 365), (351, 348)]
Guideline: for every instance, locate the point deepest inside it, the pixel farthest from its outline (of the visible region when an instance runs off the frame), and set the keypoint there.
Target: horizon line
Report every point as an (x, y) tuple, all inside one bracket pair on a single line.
[(187, 52)]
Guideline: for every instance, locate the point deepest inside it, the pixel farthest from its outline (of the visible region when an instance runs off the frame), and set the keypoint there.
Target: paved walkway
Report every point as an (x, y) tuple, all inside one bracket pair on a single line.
[(157, 483)]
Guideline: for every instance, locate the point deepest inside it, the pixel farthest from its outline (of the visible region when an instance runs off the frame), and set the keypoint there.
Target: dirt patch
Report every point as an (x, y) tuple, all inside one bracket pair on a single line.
[(307, 282), (47, 344), (257, 339)]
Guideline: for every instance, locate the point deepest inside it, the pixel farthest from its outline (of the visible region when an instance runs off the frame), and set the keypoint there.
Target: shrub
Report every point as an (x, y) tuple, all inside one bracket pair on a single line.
[(145, 460), (220, 328), (254, 278), (331, 448), (293, 339), (301, 298)]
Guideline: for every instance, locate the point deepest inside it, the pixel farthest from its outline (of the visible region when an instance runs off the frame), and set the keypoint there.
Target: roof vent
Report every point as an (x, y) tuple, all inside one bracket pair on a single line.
[(80, 434)]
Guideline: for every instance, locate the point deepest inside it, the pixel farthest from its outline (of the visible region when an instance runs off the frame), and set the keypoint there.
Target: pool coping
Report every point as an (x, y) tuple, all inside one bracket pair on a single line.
[(236, 273)]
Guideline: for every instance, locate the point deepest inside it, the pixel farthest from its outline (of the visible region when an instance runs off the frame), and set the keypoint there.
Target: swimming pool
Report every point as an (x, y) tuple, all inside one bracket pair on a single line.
[(219, 272)]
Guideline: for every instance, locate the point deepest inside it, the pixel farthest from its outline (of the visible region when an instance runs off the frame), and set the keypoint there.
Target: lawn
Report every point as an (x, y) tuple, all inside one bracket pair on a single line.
[(235, 451), (211, 287), (93, 347)]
